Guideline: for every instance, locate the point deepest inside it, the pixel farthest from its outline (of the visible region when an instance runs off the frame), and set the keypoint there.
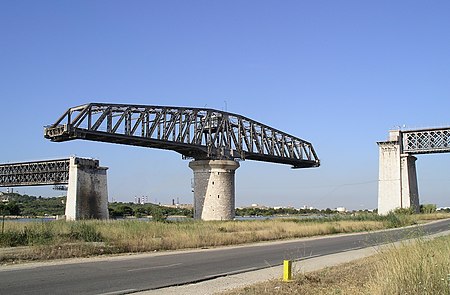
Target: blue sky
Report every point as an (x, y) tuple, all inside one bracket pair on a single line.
[(339, 74)]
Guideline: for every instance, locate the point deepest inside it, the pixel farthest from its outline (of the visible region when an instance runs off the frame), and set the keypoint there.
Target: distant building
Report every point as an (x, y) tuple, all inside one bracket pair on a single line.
[(341, 209), (257, 206), (141, 200)]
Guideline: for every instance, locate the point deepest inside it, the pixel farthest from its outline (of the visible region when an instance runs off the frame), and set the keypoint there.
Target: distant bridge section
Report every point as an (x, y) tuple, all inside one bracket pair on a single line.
[(397, 181), (87, 194), (51, 172), (425, 141), (202, 134)]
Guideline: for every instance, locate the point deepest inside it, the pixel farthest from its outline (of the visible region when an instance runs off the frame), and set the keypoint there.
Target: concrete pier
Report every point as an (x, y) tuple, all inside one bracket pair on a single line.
[(214, 189), (87, 195), (397, 182)]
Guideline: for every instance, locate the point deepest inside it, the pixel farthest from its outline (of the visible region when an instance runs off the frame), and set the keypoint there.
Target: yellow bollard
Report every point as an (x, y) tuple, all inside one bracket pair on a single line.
[(287, 270)]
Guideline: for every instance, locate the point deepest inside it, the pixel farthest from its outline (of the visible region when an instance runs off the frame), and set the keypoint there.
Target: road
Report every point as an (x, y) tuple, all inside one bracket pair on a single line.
[(128, 274)]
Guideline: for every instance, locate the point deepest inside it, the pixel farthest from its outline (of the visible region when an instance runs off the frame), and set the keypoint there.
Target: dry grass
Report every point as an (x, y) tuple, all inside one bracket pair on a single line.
[(420, 268), (348, 278), (431, 216), (137, 236), (59, 239), (79, 239)]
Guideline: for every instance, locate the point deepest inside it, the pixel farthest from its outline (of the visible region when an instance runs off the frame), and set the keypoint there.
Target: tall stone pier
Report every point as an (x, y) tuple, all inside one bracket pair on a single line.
[(87, 195), (214, 189), (397, 181)]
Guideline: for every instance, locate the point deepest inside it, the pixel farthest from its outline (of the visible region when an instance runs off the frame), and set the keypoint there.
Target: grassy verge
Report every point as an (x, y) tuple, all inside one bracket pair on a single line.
[(60, 239), (421, 268)]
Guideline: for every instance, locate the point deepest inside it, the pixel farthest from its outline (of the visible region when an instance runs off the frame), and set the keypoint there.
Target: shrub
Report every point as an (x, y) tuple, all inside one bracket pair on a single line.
[(38, 234), (404, 211), (158, 214), (427, 208), (82, 231)]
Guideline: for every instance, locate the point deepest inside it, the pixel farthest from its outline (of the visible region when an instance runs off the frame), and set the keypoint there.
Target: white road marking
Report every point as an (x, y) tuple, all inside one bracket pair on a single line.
[(155, 267)]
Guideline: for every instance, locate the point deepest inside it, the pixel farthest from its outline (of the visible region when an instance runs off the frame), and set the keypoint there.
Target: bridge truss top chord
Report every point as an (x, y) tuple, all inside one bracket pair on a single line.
[(425, 141), (34, 173), (193, 132)]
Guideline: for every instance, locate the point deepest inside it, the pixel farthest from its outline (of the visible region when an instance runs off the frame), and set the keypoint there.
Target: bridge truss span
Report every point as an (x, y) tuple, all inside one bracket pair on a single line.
[(424, 141), (49, 172), (197, 133)]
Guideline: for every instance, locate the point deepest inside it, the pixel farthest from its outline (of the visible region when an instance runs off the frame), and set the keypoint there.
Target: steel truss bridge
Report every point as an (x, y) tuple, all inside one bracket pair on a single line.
[(52, 172), (197, 133), (425, 141)]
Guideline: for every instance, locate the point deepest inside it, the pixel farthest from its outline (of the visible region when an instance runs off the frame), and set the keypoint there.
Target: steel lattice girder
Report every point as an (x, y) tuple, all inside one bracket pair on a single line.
[(35, 173), (425, 141), (193, 132)]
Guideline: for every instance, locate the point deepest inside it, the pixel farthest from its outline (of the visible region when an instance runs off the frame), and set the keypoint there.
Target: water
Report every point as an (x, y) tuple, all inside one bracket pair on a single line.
[(279, 217), (43, 219)]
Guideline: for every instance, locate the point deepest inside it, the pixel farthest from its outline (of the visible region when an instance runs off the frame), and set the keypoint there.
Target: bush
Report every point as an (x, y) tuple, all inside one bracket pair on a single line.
[(13, 239), (427, 208), (399, 220), (38, 234), (81, 231), (158, 214), (404, 211)]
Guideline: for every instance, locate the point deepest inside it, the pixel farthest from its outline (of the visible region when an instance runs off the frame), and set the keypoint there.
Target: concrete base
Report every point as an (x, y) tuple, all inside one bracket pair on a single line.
[(397, 182), (87, 195), (214, 189)]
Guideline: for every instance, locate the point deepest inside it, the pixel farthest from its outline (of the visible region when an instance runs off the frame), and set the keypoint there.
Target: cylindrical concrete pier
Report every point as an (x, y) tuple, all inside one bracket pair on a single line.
[(214, 189)]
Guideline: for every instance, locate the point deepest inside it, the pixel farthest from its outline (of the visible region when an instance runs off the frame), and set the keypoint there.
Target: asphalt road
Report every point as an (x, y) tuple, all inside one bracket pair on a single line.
[(145, 272)]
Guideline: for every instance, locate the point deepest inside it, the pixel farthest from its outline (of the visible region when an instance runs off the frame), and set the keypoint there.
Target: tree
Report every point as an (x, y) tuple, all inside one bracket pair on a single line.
[(123, 210), (11, 208)]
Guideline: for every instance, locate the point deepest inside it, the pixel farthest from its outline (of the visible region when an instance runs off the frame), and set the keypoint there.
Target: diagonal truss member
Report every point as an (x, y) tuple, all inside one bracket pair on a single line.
[(193, 132)]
